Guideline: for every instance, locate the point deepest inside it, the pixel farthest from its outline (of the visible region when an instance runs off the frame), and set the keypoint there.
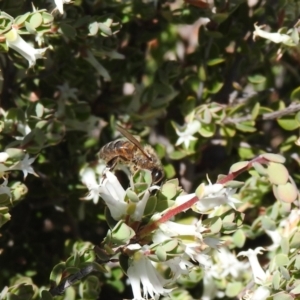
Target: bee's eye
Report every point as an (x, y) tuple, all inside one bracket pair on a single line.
[(157, 175)]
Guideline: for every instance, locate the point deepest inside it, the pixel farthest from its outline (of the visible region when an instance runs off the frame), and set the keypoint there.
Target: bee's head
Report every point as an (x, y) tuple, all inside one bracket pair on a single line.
[(157, 175)]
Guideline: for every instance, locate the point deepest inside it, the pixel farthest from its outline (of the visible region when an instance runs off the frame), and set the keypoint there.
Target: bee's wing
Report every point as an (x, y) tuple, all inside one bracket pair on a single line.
[(133, 140)]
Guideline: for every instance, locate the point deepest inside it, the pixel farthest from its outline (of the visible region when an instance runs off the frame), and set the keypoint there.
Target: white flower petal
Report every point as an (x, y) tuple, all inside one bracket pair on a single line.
[(14, 41)]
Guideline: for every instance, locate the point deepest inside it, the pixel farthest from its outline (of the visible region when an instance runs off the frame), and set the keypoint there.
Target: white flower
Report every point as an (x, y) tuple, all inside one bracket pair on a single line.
[(140, 206), (259, 275), (66, 92), (25, 166), (3, 157), (142, 272), (178, 266), (113, 195), (210, 197), (60, 5), (261, 293), (216, 195), (88, 178), (172, 229), (275, 37), (186, 133), (14, 41)]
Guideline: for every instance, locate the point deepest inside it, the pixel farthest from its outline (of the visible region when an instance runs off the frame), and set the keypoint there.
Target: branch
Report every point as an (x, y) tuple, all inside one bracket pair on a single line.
[(267, 116)]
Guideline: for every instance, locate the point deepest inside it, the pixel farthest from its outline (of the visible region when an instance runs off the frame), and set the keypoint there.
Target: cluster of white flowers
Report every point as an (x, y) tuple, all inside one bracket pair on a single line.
[(208, 251)]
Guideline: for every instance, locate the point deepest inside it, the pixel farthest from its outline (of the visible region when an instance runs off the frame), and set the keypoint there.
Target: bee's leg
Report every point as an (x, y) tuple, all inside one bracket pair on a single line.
[(110, 165)]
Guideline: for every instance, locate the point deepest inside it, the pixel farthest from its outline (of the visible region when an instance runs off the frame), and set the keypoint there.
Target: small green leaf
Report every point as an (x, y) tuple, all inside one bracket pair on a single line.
[(57, 272), (246, 126), (20, 20), (255, 111), (233, 289), (216, 87), (45, 295), (281, 260), (278, 174), (282, 296), (176, 155), (297, 262), (287, 192), (296, 290), (295, 95), (132, 196), (257, 79), (36, 20), (295, 243), (68, 30), (238, 166), (207, 130), (268, 224), (161, 253), (288, 123), (239, 238), (215, 61), (276, 280), (274, 157)]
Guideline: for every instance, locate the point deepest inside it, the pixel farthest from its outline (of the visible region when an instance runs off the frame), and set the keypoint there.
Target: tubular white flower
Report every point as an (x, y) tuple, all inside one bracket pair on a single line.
[(259, 275), (140, 206), (88, 177), (14, 41), (262, 293), (113, 194), (142, 272), (60, 5)]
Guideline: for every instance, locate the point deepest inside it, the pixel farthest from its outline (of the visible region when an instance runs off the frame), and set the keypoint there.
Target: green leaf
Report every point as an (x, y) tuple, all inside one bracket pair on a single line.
[(281, 260), (257, 79), (246, 126), (233, 289), (216, 87), (45, 295), (238, 166), (207, 130), (176, 155), (239, 238), (286, 192), (255, 111), (56, 274), (278, 174), (276, 280), (20, 20), (68, 30), (295, 95), (215, 61), (288, 123), (36, 20), (282, 296)]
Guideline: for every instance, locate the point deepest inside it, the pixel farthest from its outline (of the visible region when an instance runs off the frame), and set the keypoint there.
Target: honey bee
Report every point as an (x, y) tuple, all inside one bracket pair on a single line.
[(130, 152)]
